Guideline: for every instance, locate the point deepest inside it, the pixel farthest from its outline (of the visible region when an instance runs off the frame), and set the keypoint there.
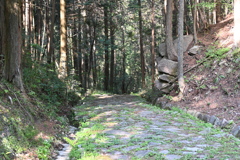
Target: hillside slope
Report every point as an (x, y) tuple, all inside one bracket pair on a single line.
[(213, 86)]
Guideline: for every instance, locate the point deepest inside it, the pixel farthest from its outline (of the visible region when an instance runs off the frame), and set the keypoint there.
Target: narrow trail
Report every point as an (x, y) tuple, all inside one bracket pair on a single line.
[(123, 127)]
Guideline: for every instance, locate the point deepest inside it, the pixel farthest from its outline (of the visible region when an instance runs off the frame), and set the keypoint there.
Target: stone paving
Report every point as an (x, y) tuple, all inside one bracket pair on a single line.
[(135, 130)]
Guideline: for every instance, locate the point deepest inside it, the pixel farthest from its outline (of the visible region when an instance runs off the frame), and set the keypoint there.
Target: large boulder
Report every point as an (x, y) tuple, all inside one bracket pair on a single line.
[(166, 77), (160, 85), (187, 40), (167, 66)]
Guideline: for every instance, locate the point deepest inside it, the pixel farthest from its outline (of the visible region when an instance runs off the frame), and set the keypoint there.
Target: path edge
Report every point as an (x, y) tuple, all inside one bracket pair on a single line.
[(214, 120)]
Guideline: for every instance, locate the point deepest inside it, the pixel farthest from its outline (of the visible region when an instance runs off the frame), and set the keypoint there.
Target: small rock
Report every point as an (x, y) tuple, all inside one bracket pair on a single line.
[(193, 149), (212, 119), (141, 154), (167, 106), (205, 131), (206, 118), (164, 152), (127, 149), (189, 153), (217, 122), (172, 156), (223, 62), (193, 112), (160, 102), (236, 131), (194, 50), (229, 70), (200, 116), (224, 123)]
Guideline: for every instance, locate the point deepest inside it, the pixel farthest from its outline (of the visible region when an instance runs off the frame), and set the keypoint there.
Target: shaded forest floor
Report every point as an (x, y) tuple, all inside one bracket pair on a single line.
[(213, 87)]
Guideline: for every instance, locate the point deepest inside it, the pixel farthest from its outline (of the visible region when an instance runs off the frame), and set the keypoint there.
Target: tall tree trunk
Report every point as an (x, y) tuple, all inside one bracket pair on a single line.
[(153, 43), (112, 47), (202, 15), (26, 25), (194, 14), (79, 46), (2, 34), (219, 12), (180, 47), (237, 23), (38, 28), (85, 58), (30, 27), (123, 74), (44, 33), (94, 70), (171, 53), (141, 45), (13, 43), (51, 35), (106, 65), (75, 42), (92, 42), (63, 41)]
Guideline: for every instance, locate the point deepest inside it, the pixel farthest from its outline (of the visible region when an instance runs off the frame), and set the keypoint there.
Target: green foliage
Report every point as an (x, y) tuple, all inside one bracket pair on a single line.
[(22, 138), (43, 150), (209, 5), (168, 97), (19, 140), (213, 52), (30, 132), (37, 47), (236, 52), (43, 82)]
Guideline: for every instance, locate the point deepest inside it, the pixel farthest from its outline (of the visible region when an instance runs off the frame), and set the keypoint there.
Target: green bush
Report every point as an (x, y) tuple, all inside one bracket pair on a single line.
[(44, 83), (213, 52)]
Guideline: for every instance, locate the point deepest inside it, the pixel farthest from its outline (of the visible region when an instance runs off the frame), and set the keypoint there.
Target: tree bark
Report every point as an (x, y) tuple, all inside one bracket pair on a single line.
[(79, 46), (141, 45), (63, 41), (180, 46), (219, 14), (171, 53), (51, 35), (193, 4), (2, 35), (111, 82), (13, 43), (26, 25), (106, 65), (153, 43), (123, 74)]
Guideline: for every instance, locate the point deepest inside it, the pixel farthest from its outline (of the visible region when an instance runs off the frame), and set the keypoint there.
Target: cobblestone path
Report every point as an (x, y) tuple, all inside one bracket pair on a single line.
[(123, 127)]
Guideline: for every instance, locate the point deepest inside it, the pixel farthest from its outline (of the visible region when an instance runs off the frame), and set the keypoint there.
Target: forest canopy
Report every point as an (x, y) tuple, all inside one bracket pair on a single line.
[(109, 45)]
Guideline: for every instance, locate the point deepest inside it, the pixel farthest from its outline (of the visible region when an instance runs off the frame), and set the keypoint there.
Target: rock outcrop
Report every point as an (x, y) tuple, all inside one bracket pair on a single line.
[(187, 40), (168, 68)]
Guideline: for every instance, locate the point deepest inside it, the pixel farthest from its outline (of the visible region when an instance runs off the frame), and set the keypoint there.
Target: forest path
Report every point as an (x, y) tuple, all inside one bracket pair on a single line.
[(125, 127)]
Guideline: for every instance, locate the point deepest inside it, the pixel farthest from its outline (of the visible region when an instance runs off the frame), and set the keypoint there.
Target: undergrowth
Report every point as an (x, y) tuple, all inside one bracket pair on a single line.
[(45, 97)]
